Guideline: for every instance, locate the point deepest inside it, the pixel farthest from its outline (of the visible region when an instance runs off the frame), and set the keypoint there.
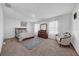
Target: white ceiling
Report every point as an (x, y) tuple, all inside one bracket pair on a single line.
[(37, 11)]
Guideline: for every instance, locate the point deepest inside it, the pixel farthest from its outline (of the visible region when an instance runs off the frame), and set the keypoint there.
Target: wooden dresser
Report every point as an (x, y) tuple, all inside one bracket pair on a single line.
[(43, 34)]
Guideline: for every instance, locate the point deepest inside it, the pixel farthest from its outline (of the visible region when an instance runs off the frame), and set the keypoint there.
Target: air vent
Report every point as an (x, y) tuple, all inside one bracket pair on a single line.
[(8, 5)]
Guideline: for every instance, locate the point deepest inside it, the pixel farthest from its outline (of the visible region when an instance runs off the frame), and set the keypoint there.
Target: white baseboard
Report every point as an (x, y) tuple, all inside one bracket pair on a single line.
[(9, 38), (75, 48)]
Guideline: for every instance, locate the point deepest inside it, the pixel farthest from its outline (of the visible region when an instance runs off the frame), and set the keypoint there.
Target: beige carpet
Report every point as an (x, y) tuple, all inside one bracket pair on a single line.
[(47, 48)]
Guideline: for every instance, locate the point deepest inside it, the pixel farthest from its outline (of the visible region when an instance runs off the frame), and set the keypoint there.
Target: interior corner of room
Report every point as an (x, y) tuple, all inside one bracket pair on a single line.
[(59, 18)]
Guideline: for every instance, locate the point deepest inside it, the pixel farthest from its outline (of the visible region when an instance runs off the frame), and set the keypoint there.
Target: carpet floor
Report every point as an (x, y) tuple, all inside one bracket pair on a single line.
[(46, 48)]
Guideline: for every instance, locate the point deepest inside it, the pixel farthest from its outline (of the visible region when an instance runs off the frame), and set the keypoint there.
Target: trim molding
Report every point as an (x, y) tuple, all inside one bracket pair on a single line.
[(74, 48), (9, 38)]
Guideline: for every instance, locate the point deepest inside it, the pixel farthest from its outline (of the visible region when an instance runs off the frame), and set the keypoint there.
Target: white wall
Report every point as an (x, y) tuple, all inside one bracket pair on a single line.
[(30, 27), (12, 20), (1, 27), (75, 29), (64, 23), (10, 24)]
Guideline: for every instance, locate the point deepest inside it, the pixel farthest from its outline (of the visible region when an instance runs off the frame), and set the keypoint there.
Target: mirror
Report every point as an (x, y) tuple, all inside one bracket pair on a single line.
[(43, 27)]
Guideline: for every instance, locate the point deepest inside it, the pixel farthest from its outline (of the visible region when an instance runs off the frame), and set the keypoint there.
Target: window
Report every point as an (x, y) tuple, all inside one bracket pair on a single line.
[(53, 27), (37, 28)]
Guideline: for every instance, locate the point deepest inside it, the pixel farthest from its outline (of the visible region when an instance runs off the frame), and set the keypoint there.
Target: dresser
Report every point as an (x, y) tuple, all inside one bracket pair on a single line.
[(43, 34)]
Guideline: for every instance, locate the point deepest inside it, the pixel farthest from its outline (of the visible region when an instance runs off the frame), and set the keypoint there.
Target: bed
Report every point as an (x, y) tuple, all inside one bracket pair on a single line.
[(21, 34)]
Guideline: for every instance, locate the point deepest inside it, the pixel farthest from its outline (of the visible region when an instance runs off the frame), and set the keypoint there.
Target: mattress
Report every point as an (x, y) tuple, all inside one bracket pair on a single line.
[(24, 35)]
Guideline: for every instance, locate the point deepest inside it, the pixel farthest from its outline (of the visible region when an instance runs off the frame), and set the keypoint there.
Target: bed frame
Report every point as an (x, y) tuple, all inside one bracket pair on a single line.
[(20, 30)]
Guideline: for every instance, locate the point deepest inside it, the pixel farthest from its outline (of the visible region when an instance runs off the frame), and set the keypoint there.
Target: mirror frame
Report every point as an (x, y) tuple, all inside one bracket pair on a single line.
[(43, 26)]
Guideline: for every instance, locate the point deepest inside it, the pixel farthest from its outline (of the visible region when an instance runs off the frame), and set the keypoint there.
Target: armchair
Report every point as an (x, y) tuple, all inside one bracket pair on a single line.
[(64, 39)]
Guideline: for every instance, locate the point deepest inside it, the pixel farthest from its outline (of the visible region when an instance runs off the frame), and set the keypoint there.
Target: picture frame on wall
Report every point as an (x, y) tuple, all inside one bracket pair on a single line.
[(75, 15), (23, 24)]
